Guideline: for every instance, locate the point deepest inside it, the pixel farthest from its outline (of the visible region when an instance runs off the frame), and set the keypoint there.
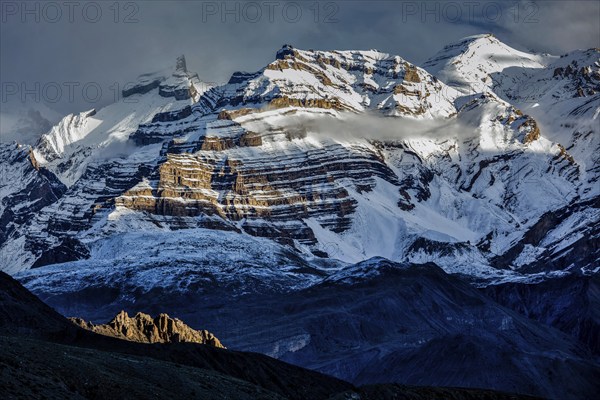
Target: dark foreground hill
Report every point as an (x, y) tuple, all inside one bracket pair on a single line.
[(372, 323), (43, 355)]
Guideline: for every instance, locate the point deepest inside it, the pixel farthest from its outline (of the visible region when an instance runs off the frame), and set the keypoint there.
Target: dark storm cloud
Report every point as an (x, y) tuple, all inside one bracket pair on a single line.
[(77, 45)]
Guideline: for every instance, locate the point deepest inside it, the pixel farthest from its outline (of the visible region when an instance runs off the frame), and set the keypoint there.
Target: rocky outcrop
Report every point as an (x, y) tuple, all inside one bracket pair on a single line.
[(145, 329), (284, 101), (411, 74), (532, 131), (232, 114)]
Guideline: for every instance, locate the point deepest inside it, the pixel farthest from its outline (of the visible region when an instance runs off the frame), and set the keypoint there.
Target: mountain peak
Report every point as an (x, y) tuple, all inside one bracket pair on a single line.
[(465, 44), (340, 80), (479, 37), (475, 63), (178, 82), (180, 64), (286, 50)]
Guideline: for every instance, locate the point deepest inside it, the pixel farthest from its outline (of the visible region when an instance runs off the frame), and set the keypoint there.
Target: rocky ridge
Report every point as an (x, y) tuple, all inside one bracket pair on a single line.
[(145, 329)]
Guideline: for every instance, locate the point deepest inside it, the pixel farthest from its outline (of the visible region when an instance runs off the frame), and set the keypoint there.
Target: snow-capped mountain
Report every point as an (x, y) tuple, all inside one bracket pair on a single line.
[(341, 155), (323, 174), (561, 93)]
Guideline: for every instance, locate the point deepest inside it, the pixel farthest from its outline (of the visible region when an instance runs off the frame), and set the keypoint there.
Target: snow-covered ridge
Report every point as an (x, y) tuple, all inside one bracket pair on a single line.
[(70, 129), (340, 80), (476, 64)]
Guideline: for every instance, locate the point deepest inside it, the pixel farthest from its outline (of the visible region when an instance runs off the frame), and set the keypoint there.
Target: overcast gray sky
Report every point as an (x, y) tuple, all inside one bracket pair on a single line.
[(106, 42)]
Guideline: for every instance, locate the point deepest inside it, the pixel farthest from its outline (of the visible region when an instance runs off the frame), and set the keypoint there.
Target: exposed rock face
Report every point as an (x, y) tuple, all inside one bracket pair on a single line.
[(145, 329), (411, 74), (532, 130), (266, 187)]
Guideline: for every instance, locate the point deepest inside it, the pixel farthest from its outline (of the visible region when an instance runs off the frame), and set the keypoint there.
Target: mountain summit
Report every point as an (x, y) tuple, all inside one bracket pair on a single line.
[(180, 64), (475, 63)]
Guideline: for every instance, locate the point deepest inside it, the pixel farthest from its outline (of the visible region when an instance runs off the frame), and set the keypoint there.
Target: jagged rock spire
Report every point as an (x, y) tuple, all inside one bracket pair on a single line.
[(145, 329), (180, 64)]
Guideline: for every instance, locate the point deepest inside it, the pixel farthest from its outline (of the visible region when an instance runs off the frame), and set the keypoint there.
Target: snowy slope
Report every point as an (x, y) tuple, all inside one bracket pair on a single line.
[(79, 139), (155, 259)]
